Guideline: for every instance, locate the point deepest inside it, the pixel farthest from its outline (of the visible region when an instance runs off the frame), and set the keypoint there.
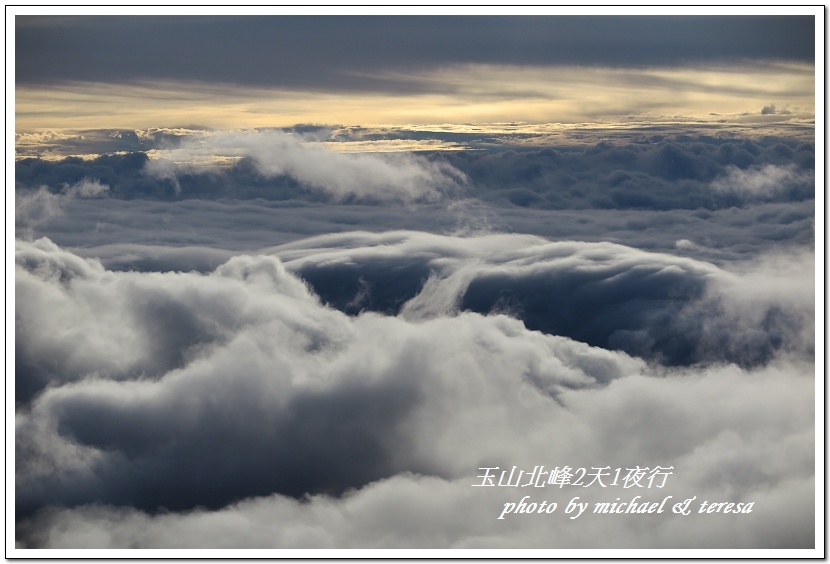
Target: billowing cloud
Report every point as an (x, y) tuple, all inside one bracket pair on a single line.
[(383, 177), (238, 393), (181, 337), (658, 306)]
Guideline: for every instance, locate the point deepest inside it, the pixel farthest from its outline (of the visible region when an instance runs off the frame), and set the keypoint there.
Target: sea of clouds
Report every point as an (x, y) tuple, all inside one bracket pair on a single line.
[(247, 340)]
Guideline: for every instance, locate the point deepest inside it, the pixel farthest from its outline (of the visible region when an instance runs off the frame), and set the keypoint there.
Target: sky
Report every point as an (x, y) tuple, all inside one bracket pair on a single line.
[(278, 71), (295, 283)]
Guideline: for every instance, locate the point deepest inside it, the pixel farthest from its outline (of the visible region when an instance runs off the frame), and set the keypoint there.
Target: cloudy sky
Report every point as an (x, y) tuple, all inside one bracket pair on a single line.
[(231, 72), (291, 282)]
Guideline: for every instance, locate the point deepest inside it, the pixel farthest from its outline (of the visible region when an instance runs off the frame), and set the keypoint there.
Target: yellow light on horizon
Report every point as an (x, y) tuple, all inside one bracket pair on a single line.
[(468, 94)]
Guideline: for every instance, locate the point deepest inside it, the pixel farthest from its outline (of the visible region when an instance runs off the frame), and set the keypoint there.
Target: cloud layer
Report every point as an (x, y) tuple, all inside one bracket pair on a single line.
[(654, 173), (248, 339)]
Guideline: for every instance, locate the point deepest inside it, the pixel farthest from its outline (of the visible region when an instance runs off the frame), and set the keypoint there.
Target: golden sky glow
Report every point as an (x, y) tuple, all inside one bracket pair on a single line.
[(461, 94)]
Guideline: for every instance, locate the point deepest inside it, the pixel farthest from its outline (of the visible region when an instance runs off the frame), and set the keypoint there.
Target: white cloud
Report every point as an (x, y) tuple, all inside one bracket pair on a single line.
[(86, 188), (385, 177), (205, 389), (35, 207), (761, 182)]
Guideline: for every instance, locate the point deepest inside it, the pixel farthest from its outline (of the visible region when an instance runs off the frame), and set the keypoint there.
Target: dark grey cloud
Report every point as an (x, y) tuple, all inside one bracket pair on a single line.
[(338, 52)]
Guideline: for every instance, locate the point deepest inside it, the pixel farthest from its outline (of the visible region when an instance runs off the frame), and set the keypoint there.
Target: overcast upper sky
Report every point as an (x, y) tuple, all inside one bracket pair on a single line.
[(326, 53)]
